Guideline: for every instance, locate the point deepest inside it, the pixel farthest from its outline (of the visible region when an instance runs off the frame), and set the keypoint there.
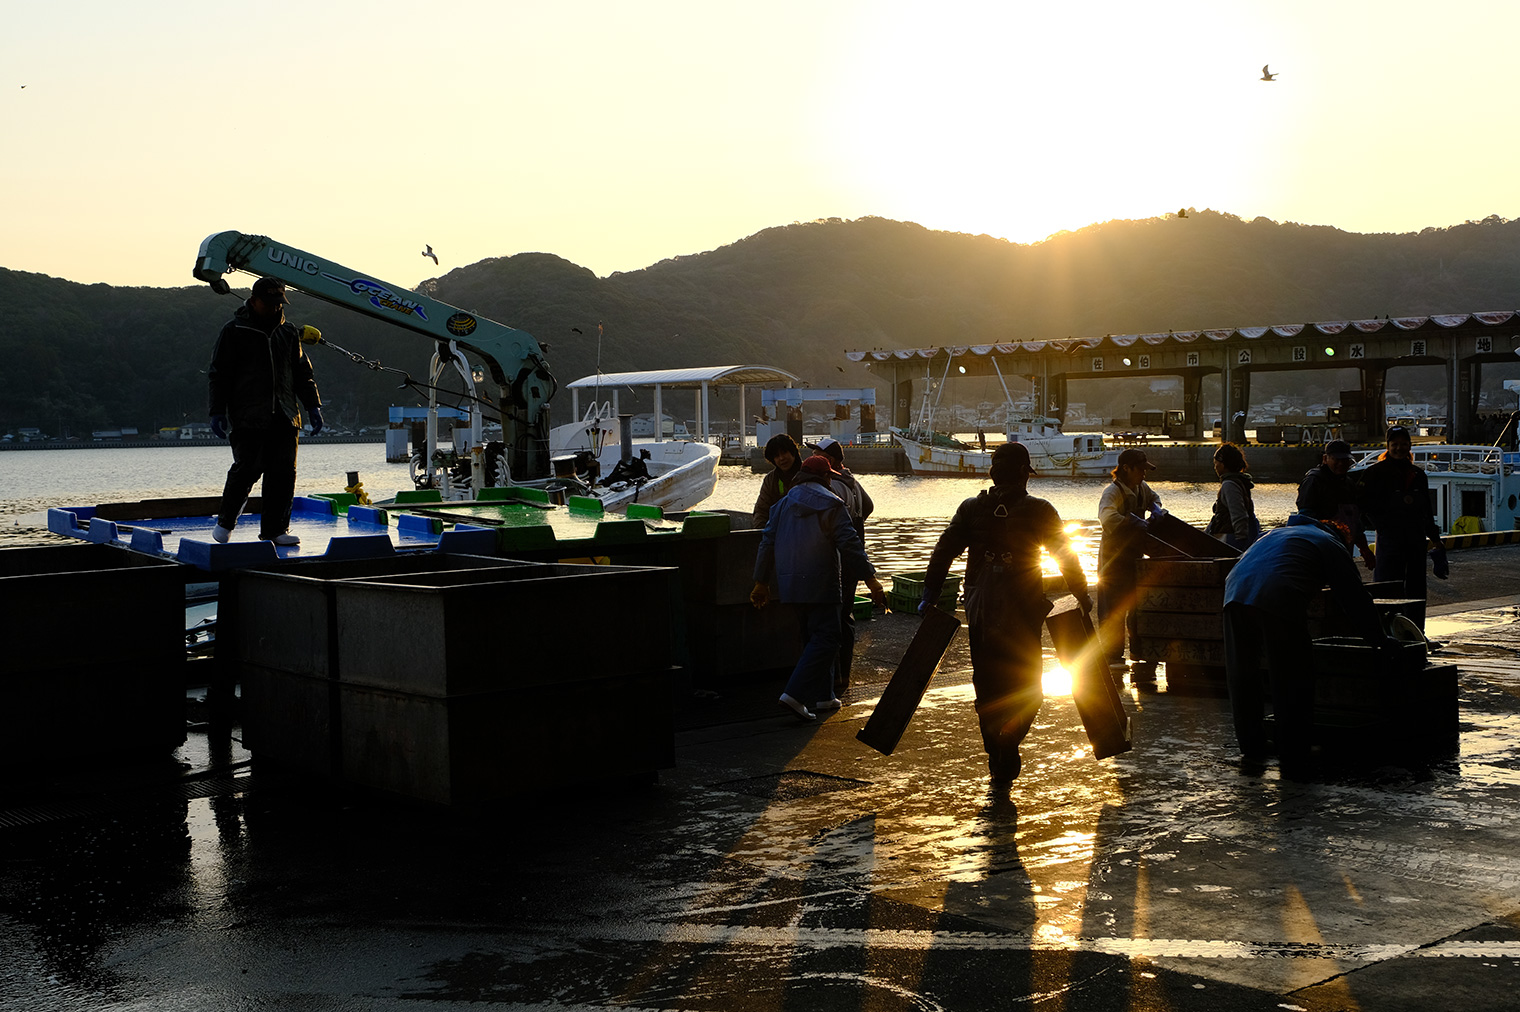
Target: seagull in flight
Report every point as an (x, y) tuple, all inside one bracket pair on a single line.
[(1267, 75), (429, 253)]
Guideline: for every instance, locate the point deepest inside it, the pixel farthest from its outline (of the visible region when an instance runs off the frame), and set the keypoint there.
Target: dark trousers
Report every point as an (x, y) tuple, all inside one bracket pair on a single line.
[(1251, 634), (1116, 606), (269, 452), (812, 678), (1006, 669), (846, 659), (1402, 558)]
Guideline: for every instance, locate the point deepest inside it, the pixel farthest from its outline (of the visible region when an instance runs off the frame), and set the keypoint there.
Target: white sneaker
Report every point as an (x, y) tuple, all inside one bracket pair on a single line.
[(220, 534), (802, 712), (286, 539), (823, 706)]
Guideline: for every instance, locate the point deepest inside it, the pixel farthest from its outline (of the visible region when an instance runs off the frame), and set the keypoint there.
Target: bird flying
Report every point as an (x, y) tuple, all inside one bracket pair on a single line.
[(429, 253), (1267, 75)]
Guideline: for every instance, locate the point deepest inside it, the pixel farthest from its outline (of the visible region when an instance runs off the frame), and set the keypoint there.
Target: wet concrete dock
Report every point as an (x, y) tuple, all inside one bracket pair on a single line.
[(784, 865)]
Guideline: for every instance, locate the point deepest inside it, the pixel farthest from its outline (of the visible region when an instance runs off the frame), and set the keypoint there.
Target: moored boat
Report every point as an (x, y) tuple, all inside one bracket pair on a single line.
[(1474, 489), (1052, 452)]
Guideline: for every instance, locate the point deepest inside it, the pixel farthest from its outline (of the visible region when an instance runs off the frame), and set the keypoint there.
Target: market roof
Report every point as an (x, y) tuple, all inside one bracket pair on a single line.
[(1424, 324), (718, 375)]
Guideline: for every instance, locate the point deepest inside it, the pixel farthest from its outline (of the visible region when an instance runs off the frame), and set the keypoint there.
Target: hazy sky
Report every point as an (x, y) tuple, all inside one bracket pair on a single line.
[(617, 134)]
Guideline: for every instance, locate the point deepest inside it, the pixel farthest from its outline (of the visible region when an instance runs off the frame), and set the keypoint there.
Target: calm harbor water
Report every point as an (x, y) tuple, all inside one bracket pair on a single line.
[(910, 512)]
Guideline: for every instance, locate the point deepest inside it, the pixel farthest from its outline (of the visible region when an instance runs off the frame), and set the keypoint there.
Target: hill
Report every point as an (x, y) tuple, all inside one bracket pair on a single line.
[(795, 296)]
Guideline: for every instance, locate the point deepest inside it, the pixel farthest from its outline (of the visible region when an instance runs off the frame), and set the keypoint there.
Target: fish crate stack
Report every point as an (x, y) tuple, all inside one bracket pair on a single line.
[(1178, 606), (908, 589), (1390, 701)]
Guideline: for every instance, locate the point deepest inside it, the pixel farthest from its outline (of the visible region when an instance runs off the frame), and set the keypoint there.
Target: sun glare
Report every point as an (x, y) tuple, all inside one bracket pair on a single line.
[(1056, 681)]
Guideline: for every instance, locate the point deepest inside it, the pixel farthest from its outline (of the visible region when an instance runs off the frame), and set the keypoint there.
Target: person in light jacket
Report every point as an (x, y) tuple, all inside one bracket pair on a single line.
[(1125, 502)]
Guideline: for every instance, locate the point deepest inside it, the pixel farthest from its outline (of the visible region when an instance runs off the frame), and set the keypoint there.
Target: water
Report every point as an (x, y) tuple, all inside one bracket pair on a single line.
[(910, 512)]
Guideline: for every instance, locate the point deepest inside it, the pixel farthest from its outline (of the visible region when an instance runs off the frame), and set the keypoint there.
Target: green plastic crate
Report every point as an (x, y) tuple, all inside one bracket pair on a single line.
[(908, 589), (862, 608)]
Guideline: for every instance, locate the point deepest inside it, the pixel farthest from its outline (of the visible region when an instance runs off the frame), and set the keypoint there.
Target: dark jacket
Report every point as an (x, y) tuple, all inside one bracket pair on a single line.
[(1395, 494), (1286, 567), (1002, 530), (808, 535), (772, 487), (258, 375), (1325, 495)]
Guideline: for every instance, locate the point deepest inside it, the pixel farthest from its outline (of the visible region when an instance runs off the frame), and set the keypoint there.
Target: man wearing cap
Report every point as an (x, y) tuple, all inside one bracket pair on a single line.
[(1395, 493), (260, 379), (1002, 531), (808, 545), (1125, 502), (859, 503), (1325, 493)]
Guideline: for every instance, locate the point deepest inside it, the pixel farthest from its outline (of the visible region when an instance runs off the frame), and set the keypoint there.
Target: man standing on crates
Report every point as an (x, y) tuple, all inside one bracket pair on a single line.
[(1002, 530)]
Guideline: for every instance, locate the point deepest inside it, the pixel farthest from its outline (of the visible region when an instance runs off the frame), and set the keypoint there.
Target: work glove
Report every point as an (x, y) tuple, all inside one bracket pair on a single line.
[(1439, 566), (923, 606), (316, 421), (219, 426)]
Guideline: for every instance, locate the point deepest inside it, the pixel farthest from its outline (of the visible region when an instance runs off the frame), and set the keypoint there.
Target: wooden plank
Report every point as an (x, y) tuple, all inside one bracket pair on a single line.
[(1182, 572), (1181, 651), (1097, 698), (1179, 625), (1209, 600), (885, 727), (1188, 539)]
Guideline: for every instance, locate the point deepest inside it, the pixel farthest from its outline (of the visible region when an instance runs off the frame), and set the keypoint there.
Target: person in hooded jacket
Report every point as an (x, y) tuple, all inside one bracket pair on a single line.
[(858, 500), (1234, 521), (1266, 624), (781, 450), (260, 379), (810, 548), (1002, 531)]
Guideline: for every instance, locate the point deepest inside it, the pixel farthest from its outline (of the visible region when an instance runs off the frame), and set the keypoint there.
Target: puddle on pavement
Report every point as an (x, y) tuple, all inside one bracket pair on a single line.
[(1441, 627)]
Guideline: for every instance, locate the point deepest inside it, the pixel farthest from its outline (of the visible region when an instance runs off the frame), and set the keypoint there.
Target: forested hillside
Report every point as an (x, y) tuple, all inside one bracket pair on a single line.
[(82, 357)]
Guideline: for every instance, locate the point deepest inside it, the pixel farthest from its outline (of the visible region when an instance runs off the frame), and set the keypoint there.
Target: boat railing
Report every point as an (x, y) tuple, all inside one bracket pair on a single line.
[(1442, 458)]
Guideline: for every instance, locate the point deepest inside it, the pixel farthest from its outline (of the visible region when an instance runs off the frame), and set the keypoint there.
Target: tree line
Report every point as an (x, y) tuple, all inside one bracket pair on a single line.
[(795, 296)]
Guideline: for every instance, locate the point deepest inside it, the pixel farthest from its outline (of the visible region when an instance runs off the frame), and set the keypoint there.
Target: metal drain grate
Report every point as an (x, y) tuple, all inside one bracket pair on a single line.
[(789, 785), (104, 804)]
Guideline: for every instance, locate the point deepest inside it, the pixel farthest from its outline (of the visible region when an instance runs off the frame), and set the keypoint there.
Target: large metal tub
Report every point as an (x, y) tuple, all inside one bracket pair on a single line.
[(470, 686), (95, 663), (279, 628)]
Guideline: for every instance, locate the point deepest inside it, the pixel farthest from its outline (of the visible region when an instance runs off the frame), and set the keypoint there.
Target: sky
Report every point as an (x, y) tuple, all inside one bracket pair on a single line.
[(619, 134)]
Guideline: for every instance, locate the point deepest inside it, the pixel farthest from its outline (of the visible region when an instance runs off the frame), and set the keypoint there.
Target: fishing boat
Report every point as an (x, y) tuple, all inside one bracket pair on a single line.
[(600, 455), (1051, 451), (1474, 489)]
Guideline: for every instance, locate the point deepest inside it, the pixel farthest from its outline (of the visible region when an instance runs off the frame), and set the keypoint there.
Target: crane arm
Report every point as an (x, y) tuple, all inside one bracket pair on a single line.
[(515, 360)]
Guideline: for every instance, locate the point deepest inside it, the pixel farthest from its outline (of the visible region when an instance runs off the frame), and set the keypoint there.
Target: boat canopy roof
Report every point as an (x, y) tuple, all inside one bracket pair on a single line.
[(717, 375), (1420, 325)]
